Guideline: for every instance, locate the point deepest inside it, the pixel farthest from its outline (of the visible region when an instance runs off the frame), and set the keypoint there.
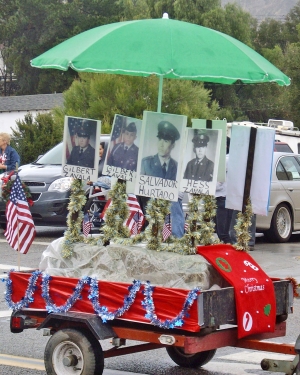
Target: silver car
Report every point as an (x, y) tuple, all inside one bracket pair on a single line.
[(284, 207)]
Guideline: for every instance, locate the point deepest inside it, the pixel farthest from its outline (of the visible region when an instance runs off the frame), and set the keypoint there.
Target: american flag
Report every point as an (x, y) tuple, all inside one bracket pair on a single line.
[(135, 227), (73, 123), (103, 213), (167, 228), (136, 218), (20, 231), (86, 225), (116, 135), (186, 225)]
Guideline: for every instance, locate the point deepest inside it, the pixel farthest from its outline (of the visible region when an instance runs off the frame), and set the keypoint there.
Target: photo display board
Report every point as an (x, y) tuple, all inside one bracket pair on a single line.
[(216, 125), (201, 160), (160, 155), (122, 155), (81, 148)]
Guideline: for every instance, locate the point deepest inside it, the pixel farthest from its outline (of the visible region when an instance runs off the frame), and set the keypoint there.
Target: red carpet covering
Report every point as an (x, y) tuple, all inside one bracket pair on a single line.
[(254, 291)]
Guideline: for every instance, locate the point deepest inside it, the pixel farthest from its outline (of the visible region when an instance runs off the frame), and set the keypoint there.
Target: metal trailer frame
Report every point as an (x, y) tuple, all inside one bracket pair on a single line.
[(217, 318)]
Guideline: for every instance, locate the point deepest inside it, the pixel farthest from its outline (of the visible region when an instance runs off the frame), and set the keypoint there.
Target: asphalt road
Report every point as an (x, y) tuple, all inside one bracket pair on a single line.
[(23, 353)]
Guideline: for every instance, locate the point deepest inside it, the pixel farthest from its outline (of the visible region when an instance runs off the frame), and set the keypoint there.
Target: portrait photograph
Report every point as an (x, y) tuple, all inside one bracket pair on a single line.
[(216, 125), (159, 163), (201, 160), (81, 148), (123, 150)]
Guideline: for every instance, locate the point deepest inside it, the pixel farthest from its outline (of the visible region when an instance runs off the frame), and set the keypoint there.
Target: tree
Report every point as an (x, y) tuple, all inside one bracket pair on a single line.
[(31, 27), (291, 23), (133, 10), (101, 96), (270, 33), (195, 11), (35, 136), (292, 61), (232, 20)]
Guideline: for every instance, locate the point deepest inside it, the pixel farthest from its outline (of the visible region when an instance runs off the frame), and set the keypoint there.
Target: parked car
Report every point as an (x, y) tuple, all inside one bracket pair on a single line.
[(284, 207), (50, 190)]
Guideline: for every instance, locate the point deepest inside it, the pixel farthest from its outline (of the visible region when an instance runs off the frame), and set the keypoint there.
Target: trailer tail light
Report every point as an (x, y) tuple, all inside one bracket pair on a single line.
[(20, 322), (17, 322)]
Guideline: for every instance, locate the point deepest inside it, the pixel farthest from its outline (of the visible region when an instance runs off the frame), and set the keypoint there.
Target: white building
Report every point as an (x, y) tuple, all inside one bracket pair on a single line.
[(14, 108)]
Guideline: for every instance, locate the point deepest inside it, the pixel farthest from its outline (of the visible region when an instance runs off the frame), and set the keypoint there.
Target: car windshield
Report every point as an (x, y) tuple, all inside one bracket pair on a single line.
[(53, 156), (282, 147)]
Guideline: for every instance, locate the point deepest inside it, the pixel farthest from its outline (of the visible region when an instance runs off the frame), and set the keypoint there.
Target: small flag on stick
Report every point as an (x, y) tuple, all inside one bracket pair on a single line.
[(136, 218), (167, 228), (186, 225), (86, 225)]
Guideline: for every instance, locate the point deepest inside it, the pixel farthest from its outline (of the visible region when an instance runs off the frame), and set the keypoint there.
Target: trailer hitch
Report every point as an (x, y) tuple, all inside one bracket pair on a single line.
[(279, 365), (287, 367)]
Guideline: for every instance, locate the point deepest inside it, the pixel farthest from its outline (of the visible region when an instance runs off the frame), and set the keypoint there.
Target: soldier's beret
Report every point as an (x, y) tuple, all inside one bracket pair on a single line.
[(84, 130), (200, 140), (130, 127), (167, 131)]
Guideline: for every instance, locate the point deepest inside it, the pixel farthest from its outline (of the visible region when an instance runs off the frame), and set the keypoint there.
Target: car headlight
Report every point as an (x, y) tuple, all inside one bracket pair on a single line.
[(62, 184)]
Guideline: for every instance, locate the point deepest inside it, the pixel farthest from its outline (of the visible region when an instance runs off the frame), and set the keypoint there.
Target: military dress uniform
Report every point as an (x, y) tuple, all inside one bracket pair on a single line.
[(82, 158), (151, 166), (124, 157), (196, 169), (199, 170)]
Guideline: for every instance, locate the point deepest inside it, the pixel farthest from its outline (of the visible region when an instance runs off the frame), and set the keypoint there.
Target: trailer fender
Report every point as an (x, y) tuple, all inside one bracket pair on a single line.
[(91, 322)]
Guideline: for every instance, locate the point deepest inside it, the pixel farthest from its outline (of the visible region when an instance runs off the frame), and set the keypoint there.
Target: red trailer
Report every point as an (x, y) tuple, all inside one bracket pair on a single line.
[(191, 325)]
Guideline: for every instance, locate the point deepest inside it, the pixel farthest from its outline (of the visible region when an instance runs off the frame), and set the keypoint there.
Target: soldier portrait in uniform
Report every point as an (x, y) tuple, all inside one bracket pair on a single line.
[(161, 148), (200, 168), (125, 154), (201, 161), (83, 154), (162, 164), (81, 144)]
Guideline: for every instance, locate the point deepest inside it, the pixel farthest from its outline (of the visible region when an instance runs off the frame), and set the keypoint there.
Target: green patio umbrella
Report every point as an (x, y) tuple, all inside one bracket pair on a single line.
[(163, 47)]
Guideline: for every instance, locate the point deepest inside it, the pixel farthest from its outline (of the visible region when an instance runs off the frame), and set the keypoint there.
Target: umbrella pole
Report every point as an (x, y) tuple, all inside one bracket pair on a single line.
[(160, 87)]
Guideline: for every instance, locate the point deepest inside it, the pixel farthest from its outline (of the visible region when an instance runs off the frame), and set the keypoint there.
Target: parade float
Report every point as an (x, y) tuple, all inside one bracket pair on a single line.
[(190, 295)]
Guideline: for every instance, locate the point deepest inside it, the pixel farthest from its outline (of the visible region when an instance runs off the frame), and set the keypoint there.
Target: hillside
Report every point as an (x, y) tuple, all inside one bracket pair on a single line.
[(261, 9)]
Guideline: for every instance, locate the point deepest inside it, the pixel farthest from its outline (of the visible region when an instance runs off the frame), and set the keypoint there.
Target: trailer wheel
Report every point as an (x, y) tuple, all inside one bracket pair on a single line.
[(189, 360), (281, 224), (70, 351)]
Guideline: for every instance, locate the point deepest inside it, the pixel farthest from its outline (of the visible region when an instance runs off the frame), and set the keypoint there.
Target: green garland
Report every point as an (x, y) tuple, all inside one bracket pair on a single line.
[(200, 222), (242, 228), (74, 219), (207, 224), (116, 214)]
